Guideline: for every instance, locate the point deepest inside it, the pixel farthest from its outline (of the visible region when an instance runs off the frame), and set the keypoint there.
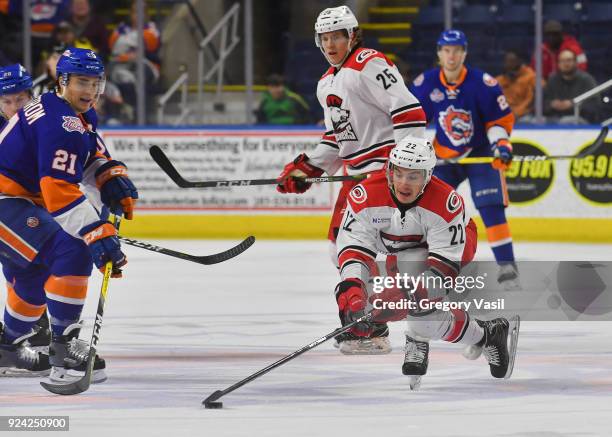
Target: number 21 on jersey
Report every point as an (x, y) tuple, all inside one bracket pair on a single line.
[(64, 161)]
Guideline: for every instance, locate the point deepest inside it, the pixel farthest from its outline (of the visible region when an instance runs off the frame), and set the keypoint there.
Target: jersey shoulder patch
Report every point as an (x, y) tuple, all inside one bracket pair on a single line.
[(489, 80), (441, 199), (362, 56), (372, 192), (329, 71)]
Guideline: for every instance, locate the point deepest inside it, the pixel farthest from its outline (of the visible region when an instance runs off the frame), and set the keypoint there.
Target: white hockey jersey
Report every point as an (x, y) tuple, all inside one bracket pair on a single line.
[(373, 224), (367, 109)]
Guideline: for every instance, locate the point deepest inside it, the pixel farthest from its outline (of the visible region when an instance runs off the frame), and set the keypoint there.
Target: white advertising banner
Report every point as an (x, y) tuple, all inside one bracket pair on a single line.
[(560, 188), (218, 155)]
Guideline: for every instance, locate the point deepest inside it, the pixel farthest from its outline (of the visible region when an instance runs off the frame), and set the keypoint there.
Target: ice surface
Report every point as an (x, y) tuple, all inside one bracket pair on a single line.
[(174, 332)]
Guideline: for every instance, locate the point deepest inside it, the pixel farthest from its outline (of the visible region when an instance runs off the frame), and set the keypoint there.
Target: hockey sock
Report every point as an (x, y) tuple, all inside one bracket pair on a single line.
[(498, 232), (462, 329), (20, 313), (65, 299)]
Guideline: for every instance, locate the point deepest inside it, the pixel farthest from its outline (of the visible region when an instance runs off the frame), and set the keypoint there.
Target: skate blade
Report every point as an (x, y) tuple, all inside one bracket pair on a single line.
[(368, 347), (415, 382), (511, 285), (13, 372), (515, 324)]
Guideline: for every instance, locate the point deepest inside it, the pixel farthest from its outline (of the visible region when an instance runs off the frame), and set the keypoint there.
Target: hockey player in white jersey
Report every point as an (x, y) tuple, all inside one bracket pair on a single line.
[(367, 110), (406, 214)]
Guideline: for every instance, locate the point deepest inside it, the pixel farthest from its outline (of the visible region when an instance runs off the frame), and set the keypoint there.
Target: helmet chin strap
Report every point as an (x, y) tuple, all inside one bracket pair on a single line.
[(348, 52)]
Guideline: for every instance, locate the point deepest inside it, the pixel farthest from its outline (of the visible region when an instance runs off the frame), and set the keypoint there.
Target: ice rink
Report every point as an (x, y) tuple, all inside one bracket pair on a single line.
[(175, 331)]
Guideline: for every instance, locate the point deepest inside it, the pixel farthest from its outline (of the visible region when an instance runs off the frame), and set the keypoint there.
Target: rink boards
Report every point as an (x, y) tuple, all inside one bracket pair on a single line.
[(561, 200)]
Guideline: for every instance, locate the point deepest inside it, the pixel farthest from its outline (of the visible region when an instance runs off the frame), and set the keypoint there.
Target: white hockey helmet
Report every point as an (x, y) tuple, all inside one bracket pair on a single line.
[(415, 154), (331, 19)]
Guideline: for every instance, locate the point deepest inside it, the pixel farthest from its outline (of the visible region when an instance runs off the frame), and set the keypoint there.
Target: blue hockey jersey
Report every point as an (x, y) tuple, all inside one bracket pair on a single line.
[(463, 112), (46, 151)]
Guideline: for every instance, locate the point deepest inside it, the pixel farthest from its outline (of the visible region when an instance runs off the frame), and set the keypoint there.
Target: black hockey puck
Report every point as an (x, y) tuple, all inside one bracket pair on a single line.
[(213, 405)]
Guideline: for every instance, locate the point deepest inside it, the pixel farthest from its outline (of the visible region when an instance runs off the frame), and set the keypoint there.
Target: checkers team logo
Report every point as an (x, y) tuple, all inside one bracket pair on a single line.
[(359, 194), (453, 203)]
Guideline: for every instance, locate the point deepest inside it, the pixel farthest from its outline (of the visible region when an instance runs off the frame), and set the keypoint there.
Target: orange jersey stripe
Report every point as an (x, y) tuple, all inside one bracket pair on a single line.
[(12, 188), (21, 307), (58, 193), (498, 232), (74, 287), (151, 39), (507, 122), (459, 80), (8, 237), (444, 152)]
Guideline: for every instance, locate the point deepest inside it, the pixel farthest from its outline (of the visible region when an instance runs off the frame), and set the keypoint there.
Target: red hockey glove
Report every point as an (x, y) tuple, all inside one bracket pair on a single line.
[(390, 305), (298, 168), (352, 299), (502, 151)]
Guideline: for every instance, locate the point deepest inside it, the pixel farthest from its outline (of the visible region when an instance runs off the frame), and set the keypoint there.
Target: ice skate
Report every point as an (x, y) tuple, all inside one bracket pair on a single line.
[(42, 335), (508, 277), (501, 338), (377, 344), (415, 361), (472, 352), (19, 359), (68, 356)]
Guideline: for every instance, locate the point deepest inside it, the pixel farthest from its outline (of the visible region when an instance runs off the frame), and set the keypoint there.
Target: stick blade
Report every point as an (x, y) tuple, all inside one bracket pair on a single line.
[(164, 163), (211, 401), (228, 254), (72, 388)]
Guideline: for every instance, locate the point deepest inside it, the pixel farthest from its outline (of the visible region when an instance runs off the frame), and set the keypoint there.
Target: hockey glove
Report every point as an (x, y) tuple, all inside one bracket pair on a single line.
[(390, 305), (352, 299), (502, 152), (298, 168), (101, 238), (117, 190)]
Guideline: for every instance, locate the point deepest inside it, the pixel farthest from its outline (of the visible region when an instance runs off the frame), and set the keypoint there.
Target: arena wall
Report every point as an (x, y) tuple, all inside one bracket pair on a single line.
[(561, 200)]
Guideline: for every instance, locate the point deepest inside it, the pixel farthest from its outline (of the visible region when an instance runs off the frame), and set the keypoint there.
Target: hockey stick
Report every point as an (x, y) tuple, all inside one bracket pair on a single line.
[(164, 163), (489, 159), (212, 400), (205, 259), (82, 384)]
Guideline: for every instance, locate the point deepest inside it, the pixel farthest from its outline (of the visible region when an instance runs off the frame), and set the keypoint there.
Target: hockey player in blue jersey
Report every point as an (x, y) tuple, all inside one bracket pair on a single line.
[(472, 117), (15, 91), (51, 233)]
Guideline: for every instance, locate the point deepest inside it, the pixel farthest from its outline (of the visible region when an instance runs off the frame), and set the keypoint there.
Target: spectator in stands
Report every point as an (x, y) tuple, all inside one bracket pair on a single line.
[(45, 15), (122, 68), (279, 105), (517, 83), (86, 27), (64, 35), (555, 41), (569, 82)]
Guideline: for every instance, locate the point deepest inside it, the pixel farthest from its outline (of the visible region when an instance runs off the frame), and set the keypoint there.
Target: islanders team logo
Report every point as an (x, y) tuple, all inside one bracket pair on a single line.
[(343, 129), (72, 124), (457, 125)]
